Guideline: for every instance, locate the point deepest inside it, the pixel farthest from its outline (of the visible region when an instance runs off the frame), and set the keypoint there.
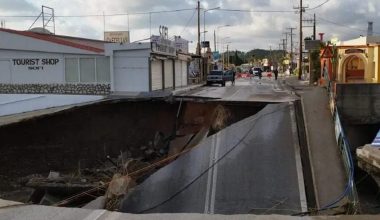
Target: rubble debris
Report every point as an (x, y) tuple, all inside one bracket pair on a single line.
[(369, 160), (53, 175), (220, 118), (118, 187)]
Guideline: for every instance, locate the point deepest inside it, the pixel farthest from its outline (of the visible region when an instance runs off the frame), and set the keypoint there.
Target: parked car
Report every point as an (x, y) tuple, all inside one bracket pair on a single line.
[(257, 71), (219, 77)]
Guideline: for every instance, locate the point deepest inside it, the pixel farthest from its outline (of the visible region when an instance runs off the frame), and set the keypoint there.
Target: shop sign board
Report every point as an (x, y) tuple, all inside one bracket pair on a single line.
[(163, 46), (35, 64), (116, 36)]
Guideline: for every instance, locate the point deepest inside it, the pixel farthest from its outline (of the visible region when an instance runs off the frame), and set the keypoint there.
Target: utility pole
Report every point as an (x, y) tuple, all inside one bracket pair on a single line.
[(291, 48), (301, 10), (311, 26), (228, 57), (199, 41), (214, 41), (300, 51), (286, 40), (314, 29)]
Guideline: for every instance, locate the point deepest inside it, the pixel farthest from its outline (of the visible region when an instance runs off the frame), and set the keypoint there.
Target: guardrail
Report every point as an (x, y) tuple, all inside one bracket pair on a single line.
[(350, 191)]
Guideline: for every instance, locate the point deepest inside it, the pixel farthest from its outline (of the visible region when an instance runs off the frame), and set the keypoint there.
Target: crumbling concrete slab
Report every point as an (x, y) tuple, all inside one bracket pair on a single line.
[(35, 212)]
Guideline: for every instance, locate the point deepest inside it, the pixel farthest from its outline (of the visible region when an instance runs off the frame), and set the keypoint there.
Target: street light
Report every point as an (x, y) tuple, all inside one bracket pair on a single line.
[(204, 21), (217, 28)]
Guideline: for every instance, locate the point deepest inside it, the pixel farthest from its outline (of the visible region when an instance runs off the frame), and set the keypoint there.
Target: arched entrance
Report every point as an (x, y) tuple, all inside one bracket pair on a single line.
[(354, 69)]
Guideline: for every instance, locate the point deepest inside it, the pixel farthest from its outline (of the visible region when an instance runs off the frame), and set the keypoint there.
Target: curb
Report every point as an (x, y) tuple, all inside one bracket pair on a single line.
[(187, 89)]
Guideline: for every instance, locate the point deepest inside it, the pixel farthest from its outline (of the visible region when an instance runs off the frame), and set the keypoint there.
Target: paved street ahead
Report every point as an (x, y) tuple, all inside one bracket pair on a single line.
[(246, 90)]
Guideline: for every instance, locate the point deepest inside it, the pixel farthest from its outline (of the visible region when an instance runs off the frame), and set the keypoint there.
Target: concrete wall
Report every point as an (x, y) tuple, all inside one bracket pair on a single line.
[(76, 89), (358, 103)]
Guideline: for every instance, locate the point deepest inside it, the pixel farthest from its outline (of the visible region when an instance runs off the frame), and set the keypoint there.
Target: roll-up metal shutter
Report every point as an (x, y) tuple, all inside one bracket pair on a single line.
[(156, 74), (178, 73), (184, 73), (168, 74)]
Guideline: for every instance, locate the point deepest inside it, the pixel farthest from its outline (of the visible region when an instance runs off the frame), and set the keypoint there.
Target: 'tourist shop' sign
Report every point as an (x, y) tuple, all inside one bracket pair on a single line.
[(35, 63)]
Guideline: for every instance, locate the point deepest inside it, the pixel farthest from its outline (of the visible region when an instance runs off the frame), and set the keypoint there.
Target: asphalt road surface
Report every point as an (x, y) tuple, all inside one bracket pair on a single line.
[(253, 166), (245, 90)]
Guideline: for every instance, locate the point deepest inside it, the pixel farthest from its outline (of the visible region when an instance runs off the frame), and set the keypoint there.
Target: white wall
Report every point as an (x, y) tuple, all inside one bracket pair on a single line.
[(31, 67), (5, 71), (28, 67), (131, 71)]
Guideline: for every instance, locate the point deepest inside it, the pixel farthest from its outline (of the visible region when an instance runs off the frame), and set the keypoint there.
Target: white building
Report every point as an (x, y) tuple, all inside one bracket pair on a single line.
[(33, 62), (146, 67)]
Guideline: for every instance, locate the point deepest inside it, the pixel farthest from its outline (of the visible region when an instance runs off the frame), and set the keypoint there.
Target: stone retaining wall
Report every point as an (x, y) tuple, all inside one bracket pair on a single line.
[(77, 89)]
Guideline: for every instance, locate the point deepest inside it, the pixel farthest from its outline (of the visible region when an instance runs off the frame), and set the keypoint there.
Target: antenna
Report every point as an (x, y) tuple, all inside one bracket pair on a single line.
[(47, 15)]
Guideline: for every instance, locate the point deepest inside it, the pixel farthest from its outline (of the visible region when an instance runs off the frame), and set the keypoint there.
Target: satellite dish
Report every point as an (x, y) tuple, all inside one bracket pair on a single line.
[(40, 30)]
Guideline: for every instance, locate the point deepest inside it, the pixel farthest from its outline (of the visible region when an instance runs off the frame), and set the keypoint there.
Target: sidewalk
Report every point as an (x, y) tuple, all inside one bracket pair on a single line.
[(328, 171)]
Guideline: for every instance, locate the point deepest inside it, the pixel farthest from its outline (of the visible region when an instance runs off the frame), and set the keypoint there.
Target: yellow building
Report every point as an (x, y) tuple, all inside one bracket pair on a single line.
[(359, 60)]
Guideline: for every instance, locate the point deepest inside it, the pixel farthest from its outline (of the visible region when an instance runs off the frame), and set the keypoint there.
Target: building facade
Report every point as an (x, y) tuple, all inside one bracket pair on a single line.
[(34, 62), (147, 67), (354, 61), (43, 63)]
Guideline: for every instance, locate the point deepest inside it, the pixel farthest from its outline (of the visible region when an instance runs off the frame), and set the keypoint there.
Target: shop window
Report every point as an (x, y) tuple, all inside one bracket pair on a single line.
[(71, 70), (87, 70), (102, 69)]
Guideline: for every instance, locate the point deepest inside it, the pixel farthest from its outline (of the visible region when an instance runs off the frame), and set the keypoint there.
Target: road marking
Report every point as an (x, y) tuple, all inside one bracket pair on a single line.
[(214, 174), (301, 183), (209, 176)]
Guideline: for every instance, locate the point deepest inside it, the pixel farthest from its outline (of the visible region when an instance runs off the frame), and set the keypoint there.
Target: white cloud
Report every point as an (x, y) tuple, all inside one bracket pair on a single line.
[(343, 18)]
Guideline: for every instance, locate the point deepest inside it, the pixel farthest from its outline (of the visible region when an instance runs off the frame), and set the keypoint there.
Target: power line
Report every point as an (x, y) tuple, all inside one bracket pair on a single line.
[(320, 5), (188, 22), (145, 13), (258, 11), (100, 15), (344, 25)]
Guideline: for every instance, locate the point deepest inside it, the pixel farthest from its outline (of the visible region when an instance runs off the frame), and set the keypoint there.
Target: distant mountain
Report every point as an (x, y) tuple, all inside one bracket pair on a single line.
[(238, 57), (261, 54)]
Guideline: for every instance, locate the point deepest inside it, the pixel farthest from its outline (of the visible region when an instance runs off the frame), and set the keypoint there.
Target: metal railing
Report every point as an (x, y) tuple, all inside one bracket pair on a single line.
[(350, 192)]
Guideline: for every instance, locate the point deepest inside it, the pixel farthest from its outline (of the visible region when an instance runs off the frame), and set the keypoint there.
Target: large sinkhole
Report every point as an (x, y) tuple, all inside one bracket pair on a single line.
[(368, 191), (49, 158)]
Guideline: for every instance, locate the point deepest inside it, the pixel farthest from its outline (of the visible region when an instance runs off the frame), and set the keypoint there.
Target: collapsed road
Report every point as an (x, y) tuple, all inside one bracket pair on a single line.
[(231, 150)]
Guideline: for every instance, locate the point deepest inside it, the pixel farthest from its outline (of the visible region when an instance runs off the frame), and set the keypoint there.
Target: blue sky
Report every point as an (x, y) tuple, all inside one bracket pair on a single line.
[(344, 19)]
